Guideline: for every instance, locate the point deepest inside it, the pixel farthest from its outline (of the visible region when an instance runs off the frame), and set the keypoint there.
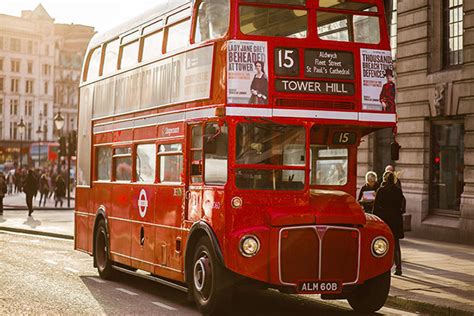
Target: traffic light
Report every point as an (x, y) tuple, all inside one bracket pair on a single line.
[(72, 144), (62, 146)]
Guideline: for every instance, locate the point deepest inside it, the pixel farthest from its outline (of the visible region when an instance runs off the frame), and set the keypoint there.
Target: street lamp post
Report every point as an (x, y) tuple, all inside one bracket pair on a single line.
[(21, 130), (39, 131), (59, 123)]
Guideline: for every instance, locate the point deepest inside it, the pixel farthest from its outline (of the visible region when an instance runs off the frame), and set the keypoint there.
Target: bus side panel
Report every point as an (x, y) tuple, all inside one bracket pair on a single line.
[(119, 223), (82, 229), (168, 217)]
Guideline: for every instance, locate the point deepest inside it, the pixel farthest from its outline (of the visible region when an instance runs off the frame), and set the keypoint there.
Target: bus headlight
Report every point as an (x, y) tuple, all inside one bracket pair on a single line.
[(249, 245), (379, 247)]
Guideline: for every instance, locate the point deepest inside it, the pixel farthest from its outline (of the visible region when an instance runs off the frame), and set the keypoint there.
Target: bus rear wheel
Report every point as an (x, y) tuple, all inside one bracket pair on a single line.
[(101, 253), (210, 283), (371, 296)]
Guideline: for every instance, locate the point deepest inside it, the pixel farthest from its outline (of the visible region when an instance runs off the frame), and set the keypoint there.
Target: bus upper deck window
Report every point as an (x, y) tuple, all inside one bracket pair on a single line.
[(348, 5), (111, 57), (266, 21), (178, 35), (93, 65), (348, 28), (212, 20)]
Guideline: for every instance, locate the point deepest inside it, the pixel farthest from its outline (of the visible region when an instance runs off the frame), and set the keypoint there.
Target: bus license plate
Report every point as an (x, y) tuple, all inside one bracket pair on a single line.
[(319, 287)]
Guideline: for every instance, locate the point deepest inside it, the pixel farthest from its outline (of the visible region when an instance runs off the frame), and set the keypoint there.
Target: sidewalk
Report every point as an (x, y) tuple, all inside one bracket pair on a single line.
[(17, 201), (438, 278)]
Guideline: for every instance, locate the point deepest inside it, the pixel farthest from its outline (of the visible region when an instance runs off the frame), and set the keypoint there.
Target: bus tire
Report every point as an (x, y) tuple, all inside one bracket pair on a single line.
[(102, 253), (211, 283), (371, 296)]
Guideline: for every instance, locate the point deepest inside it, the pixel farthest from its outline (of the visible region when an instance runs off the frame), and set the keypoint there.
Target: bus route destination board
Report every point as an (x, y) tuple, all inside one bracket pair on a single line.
[(328, 64)]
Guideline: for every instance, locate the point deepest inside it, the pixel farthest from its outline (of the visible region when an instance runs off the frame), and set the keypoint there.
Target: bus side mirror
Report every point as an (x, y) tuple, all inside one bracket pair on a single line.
[(395, 150)]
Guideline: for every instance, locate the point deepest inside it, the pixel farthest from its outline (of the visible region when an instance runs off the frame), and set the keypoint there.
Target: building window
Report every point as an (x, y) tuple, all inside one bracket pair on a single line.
[(30, 67), (453, 32), (46, 87), (447, 166), (393, 29), (30, 47), (29, 132), (28, 108), (29, 86), (15, 83), (46, 70), (1, 106), (15, 66), (13, 107), (1, 64), (1, 43), (15, 45), (45, 109), (1, 84)]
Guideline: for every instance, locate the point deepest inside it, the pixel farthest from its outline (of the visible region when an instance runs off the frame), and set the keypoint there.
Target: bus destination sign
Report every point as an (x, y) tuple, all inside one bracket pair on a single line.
[(328, 64), (314, 87)]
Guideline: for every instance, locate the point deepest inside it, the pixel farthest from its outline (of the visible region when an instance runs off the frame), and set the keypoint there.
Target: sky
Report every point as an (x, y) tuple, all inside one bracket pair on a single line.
[(101, 14)]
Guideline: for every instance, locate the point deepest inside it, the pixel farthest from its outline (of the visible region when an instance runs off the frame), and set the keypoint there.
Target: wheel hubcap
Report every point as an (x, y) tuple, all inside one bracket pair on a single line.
[(202, 276), (101, 251)]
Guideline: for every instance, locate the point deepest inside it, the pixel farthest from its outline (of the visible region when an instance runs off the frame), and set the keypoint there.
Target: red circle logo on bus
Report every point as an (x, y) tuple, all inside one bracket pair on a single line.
[(142, 203)]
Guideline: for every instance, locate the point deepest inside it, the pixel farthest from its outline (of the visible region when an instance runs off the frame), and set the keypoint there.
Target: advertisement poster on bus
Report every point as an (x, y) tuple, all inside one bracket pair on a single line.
[(247, 73), (378, 86)]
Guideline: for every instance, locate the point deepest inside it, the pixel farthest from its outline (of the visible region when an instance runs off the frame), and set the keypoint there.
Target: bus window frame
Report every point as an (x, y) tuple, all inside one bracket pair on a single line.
[(134, 163), (104, 53), (96, 164), (379, 14), (125, 40), (309, 12), (85, 75), (144, 35), (191, 150), (114, 167), (180, 141), (165, 36), (194, 20)]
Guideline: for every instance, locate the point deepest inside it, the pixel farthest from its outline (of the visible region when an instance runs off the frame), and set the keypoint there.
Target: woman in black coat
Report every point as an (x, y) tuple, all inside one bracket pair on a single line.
[(388, 206), (30, 187)]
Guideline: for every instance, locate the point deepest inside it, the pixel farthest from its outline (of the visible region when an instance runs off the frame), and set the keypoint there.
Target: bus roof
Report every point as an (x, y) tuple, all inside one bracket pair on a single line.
[(165, 6)]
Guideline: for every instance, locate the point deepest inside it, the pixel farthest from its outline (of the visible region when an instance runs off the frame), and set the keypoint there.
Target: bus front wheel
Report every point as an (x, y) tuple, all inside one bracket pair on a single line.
[(101, 253), (210, 283), (371, 296)]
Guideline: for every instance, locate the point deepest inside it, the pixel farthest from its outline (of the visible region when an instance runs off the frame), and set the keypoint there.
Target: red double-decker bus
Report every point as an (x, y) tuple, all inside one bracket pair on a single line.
[(218, 146)]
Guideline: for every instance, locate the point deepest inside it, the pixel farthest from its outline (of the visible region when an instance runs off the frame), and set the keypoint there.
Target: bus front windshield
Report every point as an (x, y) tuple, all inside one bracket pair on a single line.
[(270, 156)]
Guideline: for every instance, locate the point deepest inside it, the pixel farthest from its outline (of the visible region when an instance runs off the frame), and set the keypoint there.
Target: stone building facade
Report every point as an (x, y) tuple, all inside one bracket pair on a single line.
[(36, 56), (435, 106)]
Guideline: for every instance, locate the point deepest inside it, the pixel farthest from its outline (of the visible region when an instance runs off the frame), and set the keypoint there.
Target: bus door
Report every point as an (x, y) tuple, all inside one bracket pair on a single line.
[(195, 174), (169, 207)]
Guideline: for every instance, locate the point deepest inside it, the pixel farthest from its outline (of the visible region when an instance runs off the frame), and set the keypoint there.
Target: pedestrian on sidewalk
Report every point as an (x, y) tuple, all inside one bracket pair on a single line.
[(3, 191), (30, 187), (60, 191), (388, 206), (367, 192), (43, 188)]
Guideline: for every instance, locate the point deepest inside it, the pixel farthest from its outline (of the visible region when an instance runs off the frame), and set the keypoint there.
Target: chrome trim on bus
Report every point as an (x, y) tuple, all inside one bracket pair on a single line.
[(153, 278), (146, 223), (330, 115), (150, 263), (82, 214), (377, 117), (154, 120), (320, 249)]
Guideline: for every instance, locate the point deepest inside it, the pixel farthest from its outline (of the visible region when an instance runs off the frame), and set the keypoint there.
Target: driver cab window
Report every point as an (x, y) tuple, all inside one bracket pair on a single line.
[(212, 20), (328, 165)]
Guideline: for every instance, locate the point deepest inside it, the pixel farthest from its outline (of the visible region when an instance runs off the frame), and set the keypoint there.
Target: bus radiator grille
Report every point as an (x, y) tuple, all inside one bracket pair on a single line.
[(331, 254)]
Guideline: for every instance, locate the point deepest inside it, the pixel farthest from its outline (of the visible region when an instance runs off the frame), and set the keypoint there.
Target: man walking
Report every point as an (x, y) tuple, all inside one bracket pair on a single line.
[(30, 188)]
